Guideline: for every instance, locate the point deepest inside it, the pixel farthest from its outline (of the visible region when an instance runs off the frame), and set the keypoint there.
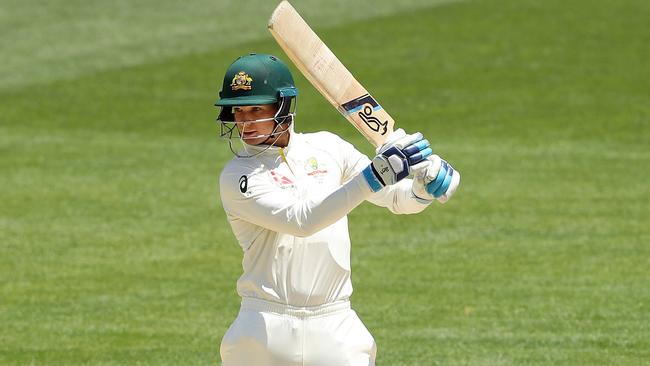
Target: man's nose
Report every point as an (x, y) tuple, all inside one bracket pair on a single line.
[(244, 118)]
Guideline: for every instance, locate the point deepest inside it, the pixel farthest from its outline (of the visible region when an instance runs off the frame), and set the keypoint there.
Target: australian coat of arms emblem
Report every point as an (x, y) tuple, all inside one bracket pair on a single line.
[(241, 81)]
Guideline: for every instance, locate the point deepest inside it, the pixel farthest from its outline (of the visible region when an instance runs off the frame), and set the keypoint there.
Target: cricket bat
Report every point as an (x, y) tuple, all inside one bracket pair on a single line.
[(327, 74)]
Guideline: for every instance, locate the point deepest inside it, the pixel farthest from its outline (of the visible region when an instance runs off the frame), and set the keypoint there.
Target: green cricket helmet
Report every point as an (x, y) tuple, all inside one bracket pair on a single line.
[(256, 79)]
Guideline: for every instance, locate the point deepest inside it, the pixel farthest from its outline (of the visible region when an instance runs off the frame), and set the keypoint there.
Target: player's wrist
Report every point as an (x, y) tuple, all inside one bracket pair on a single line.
[(374, 181)]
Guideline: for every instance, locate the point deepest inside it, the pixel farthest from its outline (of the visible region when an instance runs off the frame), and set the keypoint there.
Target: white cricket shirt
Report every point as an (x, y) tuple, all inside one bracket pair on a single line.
[(287, 208)]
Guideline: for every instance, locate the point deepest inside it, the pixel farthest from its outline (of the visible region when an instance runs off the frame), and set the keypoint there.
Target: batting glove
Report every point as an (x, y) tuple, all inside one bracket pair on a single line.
[(397, 159), (439, 181)]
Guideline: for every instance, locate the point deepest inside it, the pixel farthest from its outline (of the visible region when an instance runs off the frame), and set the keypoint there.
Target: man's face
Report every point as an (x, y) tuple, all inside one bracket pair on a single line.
[(249, 130)]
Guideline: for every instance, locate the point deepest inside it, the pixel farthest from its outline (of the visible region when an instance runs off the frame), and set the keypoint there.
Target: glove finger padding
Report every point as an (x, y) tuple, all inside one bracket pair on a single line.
[(455, 182), (444, 175), (439, 181), (418, 151), (415, 148)]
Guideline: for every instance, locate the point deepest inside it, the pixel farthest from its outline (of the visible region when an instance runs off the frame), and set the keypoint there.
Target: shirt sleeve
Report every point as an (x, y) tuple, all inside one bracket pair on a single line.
[(398, 198), (255, 199)]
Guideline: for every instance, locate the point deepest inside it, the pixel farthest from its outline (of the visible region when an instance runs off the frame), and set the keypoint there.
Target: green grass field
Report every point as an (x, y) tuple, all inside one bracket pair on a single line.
[(114, 249)]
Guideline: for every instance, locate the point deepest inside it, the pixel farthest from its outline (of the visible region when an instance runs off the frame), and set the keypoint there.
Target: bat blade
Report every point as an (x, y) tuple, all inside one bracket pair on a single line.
[(328, 75)]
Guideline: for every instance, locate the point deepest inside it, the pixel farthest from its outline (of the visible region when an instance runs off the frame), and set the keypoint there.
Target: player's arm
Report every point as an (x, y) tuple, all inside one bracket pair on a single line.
[(267, 205), (256, 199)]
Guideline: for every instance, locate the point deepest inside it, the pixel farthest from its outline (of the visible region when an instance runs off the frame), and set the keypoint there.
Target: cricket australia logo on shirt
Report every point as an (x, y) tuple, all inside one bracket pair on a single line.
[(313, 169), (241, 81)]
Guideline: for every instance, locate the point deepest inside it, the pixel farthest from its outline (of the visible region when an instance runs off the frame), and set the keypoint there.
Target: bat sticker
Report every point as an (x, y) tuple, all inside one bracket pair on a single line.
[(371, 121), (365, 105)]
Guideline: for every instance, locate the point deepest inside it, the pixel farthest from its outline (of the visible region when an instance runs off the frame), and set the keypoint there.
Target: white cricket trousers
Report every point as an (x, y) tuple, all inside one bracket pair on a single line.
[(271, 334)]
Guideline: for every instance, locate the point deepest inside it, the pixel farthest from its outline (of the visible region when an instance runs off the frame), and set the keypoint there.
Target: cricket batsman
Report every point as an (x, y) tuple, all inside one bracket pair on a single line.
[(286, 196)]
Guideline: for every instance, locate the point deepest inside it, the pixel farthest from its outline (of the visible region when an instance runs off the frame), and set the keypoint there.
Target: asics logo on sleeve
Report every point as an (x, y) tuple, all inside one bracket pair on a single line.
[(243, 184)]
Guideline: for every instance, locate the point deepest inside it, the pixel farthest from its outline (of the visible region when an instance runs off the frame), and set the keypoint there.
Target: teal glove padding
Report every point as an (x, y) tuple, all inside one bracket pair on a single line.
[(439, 181)]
